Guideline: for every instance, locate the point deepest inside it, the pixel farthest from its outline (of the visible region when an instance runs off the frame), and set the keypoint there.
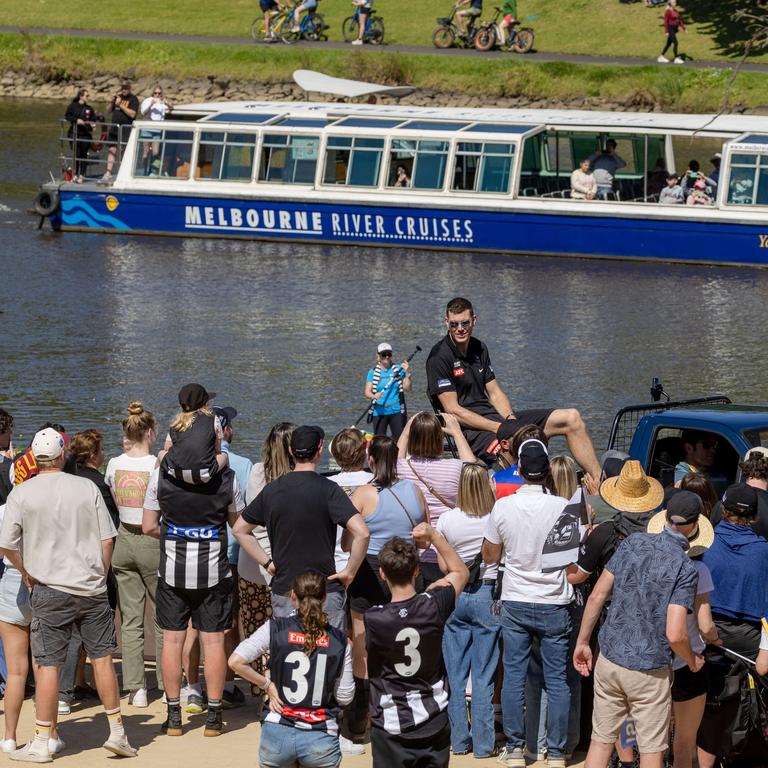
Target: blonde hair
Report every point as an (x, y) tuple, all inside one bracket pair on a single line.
[(138, 422), (425, 438), (183, 420), (275, 455), (564, 476), (476, 497), (309, 588), (83, 445)]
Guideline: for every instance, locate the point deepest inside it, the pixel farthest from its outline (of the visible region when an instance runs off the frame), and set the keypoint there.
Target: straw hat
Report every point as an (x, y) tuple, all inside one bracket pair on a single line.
[(699, 543), (632, 490)]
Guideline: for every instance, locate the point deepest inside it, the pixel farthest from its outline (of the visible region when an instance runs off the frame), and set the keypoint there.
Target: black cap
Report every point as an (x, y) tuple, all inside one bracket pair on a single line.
[(225, 414), (741, 499), (533, 461), (507, 429), (683, 507), (194, 396), (612, 463), (305, 441)]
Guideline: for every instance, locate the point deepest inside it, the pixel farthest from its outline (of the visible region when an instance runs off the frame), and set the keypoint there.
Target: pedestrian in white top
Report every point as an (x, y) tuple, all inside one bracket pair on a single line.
[(154, 107), (535, 604), (583, 183)]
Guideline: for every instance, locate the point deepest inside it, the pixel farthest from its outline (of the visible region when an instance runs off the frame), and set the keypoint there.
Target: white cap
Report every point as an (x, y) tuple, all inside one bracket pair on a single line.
[(384, 347), (47, 445)]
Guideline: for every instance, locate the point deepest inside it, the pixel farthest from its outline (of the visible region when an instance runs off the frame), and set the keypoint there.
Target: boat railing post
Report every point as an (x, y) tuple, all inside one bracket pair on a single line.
[(645, 169)]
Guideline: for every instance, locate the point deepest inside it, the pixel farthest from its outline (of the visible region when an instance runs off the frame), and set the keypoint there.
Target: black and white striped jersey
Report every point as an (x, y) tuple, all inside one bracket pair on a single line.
[(408, 683)]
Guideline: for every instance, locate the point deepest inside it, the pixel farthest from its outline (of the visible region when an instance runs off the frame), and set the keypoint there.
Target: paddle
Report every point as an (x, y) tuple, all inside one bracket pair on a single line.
[(386, 389)]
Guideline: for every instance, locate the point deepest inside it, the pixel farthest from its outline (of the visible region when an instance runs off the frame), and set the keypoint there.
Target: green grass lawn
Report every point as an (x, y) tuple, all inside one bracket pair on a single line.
[(605, 27)]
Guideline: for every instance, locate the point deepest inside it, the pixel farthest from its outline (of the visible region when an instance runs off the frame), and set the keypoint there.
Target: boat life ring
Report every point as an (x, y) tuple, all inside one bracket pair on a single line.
[(46, 203)]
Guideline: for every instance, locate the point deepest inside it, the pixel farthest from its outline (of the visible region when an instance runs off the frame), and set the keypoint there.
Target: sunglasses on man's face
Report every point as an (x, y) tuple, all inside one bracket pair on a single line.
[(709, 445), (456, 323)]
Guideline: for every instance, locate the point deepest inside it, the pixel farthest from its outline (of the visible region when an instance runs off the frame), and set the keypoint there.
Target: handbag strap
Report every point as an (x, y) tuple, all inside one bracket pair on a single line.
[(430, 487), (407, 513)]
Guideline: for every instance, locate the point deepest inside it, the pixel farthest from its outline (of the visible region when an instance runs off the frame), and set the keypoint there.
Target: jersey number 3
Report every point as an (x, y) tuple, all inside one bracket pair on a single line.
[(411, 638), (299, 678)]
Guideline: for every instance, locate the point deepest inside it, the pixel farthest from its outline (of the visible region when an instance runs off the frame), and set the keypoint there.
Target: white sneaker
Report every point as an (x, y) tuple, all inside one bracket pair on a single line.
[(8, 746), (120, 746), (56, 745), (139, 698), (678, 60), (512, 758), (349, 747), (27, 755), (535, 757), (357, 42), (64, 708), (106, 178), (663, 60)]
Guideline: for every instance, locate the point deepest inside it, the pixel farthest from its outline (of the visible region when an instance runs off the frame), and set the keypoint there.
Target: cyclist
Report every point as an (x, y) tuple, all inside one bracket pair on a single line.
[(365, 6), (465, 18), (510, 19), (310, 6), (270, 9)]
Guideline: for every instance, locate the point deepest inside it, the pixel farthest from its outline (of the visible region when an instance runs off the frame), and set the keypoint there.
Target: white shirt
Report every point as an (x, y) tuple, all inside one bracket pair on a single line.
[(764, 640), (247, 567), (465, 534), (157, 111), (705, 586), (348, 482), (521, 524), (128, 479)]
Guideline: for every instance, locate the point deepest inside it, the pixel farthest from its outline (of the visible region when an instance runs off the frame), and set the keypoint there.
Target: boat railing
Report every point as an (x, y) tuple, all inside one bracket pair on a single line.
[(87, 154)]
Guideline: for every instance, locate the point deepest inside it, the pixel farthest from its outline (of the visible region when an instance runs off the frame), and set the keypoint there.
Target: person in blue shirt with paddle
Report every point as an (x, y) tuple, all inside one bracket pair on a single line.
[(385, 386)]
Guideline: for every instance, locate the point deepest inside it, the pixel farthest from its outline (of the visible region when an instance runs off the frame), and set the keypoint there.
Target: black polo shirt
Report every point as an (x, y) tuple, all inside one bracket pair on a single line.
[(465, 374)]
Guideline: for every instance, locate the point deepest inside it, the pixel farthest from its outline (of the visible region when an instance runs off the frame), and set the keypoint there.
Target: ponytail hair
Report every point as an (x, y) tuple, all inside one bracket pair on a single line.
[(383, 453), (182, 421), (138, 422), (309, 588)]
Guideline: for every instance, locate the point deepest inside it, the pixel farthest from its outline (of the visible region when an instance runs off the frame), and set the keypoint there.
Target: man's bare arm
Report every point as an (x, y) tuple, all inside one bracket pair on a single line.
[(498, 399), (450, 404)]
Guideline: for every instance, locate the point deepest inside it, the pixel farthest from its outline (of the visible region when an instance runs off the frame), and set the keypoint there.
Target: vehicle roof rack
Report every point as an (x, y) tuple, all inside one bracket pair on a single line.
[(627, 418)]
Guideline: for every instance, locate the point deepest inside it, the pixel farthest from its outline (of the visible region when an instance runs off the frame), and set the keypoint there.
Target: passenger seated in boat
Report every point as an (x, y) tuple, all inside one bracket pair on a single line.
[(694, 174), (672, 194), (402, 179), (583, 183), (605, 164), (657, 177), (699, 195)]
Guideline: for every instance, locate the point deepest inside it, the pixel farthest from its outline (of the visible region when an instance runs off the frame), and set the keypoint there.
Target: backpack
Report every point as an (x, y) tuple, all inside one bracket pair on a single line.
[(5, 478), (625, 524)]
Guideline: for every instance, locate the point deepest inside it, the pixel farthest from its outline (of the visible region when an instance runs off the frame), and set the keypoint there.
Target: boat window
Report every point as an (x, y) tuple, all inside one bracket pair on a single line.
[(302, 122), (432, 125), (417, 164), (498, 128), (353, 161), (288, 159), (238, 117), (225, 156), (483, 167), (368, 122), (163, 153), (748, 182)]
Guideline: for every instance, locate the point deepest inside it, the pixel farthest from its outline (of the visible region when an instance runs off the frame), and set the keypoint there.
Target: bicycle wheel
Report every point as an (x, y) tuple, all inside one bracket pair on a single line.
[(485, 38), (312, 27), (287, 35), (258, 30), (349, 29), (523, 41), (443, 37), (376, 33)]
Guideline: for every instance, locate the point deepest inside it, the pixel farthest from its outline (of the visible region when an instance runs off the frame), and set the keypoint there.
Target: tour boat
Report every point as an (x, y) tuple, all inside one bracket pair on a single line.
[(451, 179)]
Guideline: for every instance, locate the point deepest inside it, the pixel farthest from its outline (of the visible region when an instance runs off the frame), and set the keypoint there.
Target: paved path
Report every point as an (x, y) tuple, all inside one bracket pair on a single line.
[(338, 45)]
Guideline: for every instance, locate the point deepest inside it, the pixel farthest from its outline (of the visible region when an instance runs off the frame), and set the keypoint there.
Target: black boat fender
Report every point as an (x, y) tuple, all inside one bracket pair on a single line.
[(46, 203)]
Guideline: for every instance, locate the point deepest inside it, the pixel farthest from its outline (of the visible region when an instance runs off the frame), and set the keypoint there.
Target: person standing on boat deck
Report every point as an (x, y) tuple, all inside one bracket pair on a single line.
[(123, 108), (605, 164), (583, 183), (80, 118), (673, 22), (386, 385), (156, 108), (461, 378)]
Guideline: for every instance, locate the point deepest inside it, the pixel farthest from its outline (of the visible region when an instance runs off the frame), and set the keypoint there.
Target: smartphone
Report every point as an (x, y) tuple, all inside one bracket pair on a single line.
[(441, 419)]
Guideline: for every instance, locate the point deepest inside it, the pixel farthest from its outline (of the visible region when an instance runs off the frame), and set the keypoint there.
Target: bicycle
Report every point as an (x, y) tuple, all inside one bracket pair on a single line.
[(490, 34), (312, 27), (448, 33), (374, 28)]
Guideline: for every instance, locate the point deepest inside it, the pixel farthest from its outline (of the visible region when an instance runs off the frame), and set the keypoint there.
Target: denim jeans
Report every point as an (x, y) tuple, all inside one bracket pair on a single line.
[(471, 644), (551, 624), (282, 745)]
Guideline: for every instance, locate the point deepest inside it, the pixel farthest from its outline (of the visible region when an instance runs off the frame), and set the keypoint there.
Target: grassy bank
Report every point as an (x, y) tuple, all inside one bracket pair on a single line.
[(604, 27), (675, 89)]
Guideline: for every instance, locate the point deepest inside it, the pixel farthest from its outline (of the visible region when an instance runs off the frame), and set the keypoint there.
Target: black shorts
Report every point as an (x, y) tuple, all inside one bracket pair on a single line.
[(210, 609), (689, 685), (484, 444), (390, 750), (368, 588)]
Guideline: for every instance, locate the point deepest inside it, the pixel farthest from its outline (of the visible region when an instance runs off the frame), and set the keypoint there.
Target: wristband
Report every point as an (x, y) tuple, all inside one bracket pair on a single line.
[(267, 564), (266, 685)]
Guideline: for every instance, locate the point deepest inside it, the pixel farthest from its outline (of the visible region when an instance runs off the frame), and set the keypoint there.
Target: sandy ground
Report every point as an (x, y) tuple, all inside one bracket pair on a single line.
[(85, 730)]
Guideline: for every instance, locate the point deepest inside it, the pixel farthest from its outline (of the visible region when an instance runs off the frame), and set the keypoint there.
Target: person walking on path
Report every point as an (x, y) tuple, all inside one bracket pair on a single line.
[(58, 533), (673, 23), (386, 385)]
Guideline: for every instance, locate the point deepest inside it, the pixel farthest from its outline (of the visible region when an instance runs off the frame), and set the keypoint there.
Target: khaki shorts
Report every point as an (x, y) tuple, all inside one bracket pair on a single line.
[(645, 696)]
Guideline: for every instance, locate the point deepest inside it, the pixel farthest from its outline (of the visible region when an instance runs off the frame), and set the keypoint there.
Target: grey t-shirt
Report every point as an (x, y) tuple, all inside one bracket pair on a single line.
[(58, 521)]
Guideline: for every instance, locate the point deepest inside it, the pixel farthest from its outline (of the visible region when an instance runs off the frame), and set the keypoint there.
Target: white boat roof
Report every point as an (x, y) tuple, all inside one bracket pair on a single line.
[(577, 119), (317, 82)]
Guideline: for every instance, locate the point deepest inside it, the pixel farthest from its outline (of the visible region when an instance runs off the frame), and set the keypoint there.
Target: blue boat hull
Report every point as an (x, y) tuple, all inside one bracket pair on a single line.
[(506, 231)]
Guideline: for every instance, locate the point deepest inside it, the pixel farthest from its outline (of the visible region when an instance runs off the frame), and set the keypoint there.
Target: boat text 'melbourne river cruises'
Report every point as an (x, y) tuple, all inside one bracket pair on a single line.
[(496, 180)]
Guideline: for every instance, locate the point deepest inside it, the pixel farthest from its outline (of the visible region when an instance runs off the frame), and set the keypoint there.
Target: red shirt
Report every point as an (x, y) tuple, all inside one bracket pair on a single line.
[(672, 17)]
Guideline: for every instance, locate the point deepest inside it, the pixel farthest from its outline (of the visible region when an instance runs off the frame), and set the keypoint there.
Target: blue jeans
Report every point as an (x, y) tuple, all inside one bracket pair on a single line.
[(283, 745), (551, 624), (471, 642)]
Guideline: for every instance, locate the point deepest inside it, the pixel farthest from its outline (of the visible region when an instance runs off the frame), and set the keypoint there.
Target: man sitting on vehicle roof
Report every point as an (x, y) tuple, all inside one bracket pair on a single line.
[(461, 377)]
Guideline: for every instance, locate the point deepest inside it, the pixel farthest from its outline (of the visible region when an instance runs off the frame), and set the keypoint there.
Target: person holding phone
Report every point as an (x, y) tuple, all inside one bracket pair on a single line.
[(155, 107), (123, 108), (401, 177)]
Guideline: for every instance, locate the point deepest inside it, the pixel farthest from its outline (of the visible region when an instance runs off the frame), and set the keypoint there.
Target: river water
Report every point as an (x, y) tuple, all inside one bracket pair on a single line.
[(287, 332)]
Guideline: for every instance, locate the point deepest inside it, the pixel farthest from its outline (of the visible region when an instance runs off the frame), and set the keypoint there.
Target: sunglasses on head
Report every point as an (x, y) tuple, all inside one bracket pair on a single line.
[(457, 323)]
